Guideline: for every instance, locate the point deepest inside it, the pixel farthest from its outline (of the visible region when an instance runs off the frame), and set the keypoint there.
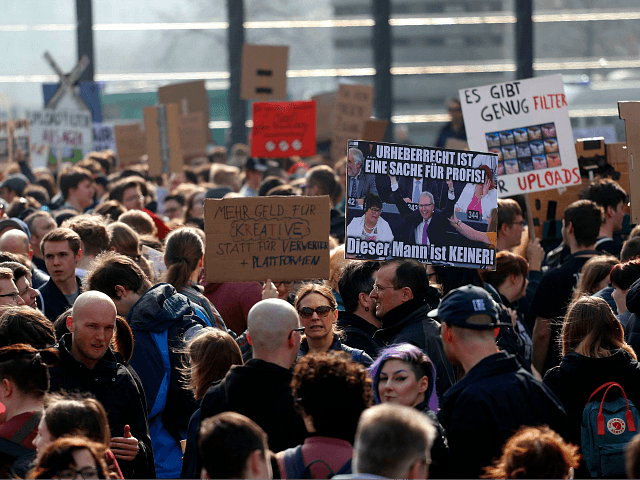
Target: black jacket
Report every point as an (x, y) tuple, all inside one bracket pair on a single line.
[(261, 391), (38, 277), (409, 323), (439, 225), (578, 377), (54, 301), (439, 467), (337, 346), (358, 333), (632, 330), (482, 410), (113, 385)]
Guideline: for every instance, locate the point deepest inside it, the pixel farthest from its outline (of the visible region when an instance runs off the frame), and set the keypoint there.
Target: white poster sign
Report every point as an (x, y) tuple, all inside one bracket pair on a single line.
[(55, 128), (104, 137), (526, 124)]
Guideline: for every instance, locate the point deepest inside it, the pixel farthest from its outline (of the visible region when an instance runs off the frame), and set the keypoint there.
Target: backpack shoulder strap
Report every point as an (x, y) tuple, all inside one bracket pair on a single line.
[(345, 469), (293, 462), (13, 449), (27, 428)]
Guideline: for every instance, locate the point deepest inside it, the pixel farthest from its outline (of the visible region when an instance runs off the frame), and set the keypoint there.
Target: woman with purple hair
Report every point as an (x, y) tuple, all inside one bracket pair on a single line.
[(405, 375)]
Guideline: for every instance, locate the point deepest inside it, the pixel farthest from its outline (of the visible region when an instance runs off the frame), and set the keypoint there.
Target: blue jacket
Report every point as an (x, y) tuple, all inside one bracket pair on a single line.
[(162, 321)]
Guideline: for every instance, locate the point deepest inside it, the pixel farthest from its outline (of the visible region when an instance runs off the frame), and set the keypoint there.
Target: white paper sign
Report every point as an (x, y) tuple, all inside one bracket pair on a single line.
[(526, 123), (56, 128), (104, 137)]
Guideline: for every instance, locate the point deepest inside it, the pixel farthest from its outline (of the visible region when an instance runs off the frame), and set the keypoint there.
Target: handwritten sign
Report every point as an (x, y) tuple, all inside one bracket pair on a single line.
[(255, 238), (104, 137), (353, 108), (14, 138), (526, 124), (283, 129), (61, 129), (435, 205)]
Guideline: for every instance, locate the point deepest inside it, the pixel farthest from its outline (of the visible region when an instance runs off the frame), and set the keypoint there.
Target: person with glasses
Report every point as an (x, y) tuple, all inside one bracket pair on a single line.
[(425, 225), (318, 312), (455, 128), (261, 388), (370, 226), (9, 294), (22, 279), (71, 458)]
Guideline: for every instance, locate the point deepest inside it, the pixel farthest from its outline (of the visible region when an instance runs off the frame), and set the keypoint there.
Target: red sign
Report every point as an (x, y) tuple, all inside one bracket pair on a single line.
[(283, 129)]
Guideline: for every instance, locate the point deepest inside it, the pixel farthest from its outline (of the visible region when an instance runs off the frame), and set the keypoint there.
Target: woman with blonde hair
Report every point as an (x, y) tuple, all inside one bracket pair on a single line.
[(594, 352)]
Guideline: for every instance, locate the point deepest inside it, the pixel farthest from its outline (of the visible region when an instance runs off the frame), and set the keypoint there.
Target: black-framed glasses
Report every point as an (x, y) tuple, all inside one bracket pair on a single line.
[(425, 205), (299, 329), (72, 473), (14, 295), (375, 210), (322, 311), (286, 283)]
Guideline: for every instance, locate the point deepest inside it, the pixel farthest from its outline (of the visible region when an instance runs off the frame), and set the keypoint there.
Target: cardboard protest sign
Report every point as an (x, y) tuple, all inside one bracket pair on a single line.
[(193, 135), (154, 140), (435, 205), (283, 129), (353, 109), (264, 72), (156, 259), (255, 238), (630, 113), (57, 130), (526, 124), (196, 96), (325, 115), (130, 143), (104, 137), (374, 130)]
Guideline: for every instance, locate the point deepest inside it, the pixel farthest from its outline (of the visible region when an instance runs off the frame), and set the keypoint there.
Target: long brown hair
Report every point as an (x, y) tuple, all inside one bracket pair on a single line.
[(124, 240), (211, 354), (591, 329), (183, 251), (593, 272)]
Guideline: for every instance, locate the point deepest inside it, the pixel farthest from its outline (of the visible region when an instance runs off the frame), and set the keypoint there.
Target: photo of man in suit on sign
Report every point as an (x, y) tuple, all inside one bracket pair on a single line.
[(359, 183)]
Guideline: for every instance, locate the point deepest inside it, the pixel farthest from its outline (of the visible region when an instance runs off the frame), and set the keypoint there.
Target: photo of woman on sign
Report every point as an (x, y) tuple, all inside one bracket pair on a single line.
[(370, 226), (480, 197)]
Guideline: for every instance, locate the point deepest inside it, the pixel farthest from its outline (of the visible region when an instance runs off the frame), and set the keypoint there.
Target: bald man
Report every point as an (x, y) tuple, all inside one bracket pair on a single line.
[(87, 364), (260, 389), (16, 241)]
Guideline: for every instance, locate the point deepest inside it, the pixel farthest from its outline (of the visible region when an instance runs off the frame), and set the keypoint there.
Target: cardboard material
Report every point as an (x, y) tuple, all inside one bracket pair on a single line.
[(193, 136), (630, 113), (353, 109), (526, 123), (283, 129), (390, 214), (152, 133), (374, 130), (255, 238), (325, 115), (130, 142), (264, 72), (195, 94)]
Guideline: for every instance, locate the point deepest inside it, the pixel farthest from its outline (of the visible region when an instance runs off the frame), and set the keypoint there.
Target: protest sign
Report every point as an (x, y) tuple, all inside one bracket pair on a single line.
[(526, 124), (14, 140), (168, 116), (255, 238), (195, 96), (374, 130), (283, 129), (325, 115), (130, 143), (104, 137), (264, 72), (193, 136), (55, 130), (435, 205), (156, 259), (630, 113), (353, 108)]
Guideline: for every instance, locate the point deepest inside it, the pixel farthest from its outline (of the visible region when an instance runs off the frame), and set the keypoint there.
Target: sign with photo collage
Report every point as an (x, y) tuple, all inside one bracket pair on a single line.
[(526, 124)]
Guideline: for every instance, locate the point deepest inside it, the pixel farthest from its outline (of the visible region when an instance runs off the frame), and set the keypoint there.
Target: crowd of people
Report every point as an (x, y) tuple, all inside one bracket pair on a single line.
[(114, 365)]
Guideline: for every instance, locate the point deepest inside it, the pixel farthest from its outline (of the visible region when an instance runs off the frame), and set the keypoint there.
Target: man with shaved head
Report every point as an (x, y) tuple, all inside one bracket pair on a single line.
[(261, 388), (87, 364)]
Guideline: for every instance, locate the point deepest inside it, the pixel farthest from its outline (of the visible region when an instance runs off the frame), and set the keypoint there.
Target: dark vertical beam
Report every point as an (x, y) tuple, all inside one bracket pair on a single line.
[(237, 107), (381, 42), (84, 33), (524, 39)]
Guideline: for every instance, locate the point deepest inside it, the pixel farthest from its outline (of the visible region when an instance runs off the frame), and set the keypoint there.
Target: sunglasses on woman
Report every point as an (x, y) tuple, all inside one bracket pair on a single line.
[(322, 311)]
